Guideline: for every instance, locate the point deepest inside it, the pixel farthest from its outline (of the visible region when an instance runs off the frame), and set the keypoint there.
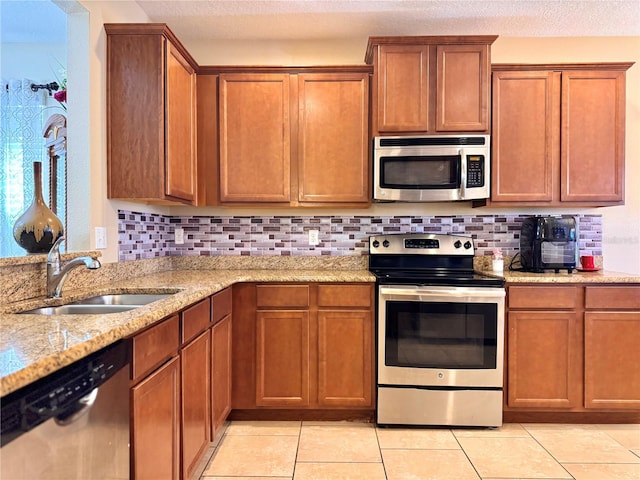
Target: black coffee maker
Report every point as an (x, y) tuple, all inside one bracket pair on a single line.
[(549, 243)]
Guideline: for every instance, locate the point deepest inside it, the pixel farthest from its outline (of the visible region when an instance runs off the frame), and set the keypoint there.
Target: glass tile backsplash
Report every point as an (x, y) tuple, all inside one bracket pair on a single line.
[(145, 235)]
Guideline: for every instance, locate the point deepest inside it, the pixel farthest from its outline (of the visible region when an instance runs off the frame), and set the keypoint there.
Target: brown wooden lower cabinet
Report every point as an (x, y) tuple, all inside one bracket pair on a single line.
[(220, 373), (612, 360), (196, 413), (345, 367), (303, 346), (282, 358), (544, 360), (171, 395), (573, 349), (155, 404)]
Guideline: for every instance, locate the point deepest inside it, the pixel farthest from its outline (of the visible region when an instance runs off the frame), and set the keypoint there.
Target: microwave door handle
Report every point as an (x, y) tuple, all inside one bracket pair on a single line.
[(463, 174)]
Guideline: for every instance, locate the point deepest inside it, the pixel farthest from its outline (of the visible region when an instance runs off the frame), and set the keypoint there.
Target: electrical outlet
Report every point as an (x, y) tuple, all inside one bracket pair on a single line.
[(101, 237), (179, 236), (314, 237)]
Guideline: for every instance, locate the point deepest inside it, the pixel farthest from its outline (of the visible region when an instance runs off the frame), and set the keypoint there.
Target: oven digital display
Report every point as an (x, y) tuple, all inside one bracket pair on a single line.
[(421, 243)]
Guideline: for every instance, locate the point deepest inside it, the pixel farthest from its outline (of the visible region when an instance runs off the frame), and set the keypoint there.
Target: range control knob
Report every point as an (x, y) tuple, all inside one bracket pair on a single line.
[(376, 244), (385, 244), (457, 244), (467, 245)]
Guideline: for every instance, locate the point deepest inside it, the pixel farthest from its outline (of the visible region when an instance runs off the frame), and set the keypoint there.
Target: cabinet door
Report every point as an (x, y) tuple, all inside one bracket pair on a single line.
[(525, 136), (220, 373), (345, 358), (255, 145), (612, 360), (180, 161), (282, 358), (402, 89), (156, 424), (135, 113), (207, 139), (243, 346), (544, 360), (333, 138), (463, 93), (195, 402), (593, 116)]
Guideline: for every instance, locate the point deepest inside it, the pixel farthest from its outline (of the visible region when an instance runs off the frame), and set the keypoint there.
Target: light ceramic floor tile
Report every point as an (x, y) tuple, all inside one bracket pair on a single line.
[(413, 438), (603, 471), (244, 478), (321, 444), (626, 435), (249, 427), (337, 423), (506, 430), (511, 457), (578, 444), (428, 464), (339, 471), (637, 452), (254, 455)]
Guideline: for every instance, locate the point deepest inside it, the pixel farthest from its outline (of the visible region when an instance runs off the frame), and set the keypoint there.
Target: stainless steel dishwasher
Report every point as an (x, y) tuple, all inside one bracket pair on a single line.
[(72, 424)]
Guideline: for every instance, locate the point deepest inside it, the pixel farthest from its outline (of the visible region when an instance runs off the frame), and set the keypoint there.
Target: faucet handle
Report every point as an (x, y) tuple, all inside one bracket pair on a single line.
[(53, 258)]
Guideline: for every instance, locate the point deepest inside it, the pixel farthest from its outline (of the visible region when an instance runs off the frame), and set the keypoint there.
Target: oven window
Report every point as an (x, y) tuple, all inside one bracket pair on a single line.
[(441, 335), (420, 172)]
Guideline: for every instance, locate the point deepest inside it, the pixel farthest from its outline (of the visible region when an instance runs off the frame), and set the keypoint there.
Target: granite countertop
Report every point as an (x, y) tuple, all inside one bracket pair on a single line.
[(33, 346), (601, 276)]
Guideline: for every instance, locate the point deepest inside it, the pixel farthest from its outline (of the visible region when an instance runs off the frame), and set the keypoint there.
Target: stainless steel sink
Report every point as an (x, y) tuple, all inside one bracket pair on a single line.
[(75, 309), (101, 304), (130, 299)]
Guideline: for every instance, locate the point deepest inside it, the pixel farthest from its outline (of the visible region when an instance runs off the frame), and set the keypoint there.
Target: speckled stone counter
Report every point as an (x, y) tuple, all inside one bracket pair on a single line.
[(602, 276), (32, 346)]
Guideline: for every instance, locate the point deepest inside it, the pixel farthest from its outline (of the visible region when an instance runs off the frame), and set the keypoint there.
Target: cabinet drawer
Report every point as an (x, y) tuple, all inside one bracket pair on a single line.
[(282, 296), (619, 297), (221, 306), (550, 298), (195, 319), (344, 295), (152, 347)]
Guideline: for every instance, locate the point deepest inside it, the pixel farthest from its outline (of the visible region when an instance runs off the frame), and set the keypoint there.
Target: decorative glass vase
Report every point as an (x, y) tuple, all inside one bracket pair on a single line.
[(37, 229)]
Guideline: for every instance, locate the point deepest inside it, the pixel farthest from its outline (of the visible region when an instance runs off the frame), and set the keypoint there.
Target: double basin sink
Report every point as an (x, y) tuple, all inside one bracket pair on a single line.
[(101, 304)]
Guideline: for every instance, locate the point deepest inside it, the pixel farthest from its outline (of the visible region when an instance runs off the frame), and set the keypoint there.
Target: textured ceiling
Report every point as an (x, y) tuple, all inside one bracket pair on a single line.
[(314, 20)]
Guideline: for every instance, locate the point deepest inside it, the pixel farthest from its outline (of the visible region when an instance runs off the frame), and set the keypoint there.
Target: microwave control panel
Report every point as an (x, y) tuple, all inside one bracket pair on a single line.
[(475, 171)]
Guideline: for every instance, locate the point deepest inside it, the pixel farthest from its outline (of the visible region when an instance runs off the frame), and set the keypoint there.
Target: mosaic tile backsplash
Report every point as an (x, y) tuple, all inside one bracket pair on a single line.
[(144, 235)]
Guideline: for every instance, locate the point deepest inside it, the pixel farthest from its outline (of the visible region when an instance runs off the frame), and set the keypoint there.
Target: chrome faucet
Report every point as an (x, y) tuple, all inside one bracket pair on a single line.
[(56, 274)]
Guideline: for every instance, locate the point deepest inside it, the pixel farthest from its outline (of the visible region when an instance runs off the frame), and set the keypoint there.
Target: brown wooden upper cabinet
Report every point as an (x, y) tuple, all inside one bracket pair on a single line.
[(558, 135), (151, 115), (424, 85), (294, 138)]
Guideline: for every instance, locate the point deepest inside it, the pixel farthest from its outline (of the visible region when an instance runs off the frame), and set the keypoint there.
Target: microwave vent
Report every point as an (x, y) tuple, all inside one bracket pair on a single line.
[(430, 141)]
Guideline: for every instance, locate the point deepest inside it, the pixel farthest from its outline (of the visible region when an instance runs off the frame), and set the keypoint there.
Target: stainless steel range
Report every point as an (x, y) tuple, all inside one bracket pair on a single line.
[(440, 333)]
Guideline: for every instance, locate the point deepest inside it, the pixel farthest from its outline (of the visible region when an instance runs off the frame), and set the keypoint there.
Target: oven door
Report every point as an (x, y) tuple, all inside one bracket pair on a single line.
[(440, 336)]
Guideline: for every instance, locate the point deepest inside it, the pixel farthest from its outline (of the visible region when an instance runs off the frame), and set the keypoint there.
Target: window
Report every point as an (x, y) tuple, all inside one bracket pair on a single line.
[(33, 52)]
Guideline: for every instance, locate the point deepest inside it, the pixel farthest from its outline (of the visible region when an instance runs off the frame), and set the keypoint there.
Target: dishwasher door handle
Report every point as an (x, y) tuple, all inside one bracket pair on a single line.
[(79, 410)]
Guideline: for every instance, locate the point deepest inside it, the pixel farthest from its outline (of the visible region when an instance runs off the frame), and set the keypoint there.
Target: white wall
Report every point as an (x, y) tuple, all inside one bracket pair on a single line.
[(96, 210), (621, 224)]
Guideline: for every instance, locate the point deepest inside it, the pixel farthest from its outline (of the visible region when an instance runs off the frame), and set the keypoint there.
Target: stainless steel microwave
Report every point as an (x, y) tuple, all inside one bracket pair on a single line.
[(431, 168)]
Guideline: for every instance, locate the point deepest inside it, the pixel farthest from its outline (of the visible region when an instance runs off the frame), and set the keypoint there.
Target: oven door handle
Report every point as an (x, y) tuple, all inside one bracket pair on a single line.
[(418, 293)]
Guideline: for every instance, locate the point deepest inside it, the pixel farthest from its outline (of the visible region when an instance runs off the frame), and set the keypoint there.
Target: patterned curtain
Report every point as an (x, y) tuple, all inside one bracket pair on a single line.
[(21, 144)]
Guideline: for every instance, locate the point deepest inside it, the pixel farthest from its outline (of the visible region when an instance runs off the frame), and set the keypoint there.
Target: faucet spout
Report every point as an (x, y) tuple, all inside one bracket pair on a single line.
[(57, 274)]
